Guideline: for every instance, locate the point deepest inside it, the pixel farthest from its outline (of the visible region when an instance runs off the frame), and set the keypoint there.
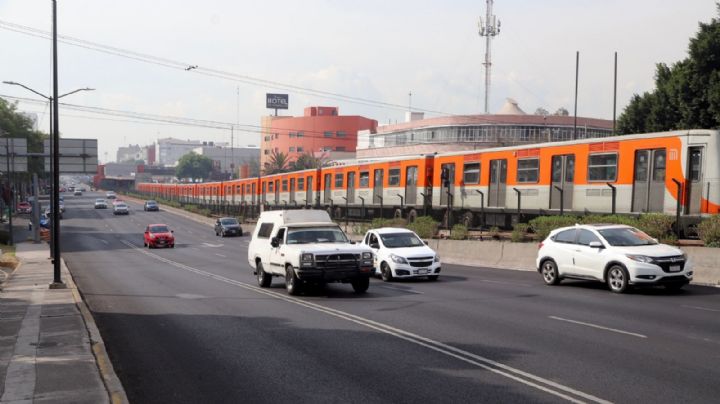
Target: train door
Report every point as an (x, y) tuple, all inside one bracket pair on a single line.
[(378, 186), (253, 193), (327, 192), (411, 176), (351, 187), (447, 182), (498, 181), (649, 181), (693, 187), (309, 190), (277, 192), (563, 177), (292, 190), (263, 191)]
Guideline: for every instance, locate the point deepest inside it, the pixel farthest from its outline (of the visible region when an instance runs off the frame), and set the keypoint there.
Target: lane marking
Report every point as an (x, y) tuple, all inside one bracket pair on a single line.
[(105, 241), (702, 308), (598, 327), (503, 282), (212, 245), (220, 255), (528, 379)]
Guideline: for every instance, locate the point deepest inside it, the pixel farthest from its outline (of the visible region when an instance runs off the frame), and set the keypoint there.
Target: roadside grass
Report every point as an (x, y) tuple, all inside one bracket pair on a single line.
[(8, 258)]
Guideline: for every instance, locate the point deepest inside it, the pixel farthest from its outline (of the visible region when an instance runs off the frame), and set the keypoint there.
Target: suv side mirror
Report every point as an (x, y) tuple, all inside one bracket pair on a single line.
[(375, 246), (275, 242), (596, 244)]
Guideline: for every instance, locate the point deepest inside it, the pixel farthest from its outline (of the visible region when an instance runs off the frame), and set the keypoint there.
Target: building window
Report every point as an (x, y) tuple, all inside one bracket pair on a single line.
[(301, 184), (394, 177), (340, 148), (284, 185), (292, 149), (276, 135), (300, 134), (291, 135), (327, 134), (341, 134), (527, 170), (326, 149), (267, 138), (364, 179), (602, 167), (266, 151), (471, 173), (338, 180), (300, 149)]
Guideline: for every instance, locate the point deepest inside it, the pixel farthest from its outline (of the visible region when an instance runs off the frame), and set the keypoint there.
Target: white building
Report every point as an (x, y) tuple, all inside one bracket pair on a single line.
[(169, 150), (130, 153), (227, 159)]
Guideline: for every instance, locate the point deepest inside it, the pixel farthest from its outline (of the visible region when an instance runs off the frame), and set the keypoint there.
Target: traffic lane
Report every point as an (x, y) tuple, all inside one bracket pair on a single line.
[(180, 347)]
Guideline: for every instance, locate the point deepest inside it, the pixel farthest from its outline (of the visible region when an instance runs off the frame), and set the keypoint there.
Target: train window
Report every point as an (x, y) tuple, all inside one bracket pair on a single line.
[(602, 167), (471, 173), (394, 177), (527, 170), (659, 165), (695, 160), (301, 184), (270, 186), (364, 179), (284, 185), (338, 180), (411, 176)]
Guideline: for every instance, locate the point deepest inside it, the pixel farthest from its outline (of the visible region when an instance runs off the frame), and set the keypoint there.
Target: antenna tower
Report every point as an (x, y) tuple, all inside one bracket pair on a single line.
[(489, 28)]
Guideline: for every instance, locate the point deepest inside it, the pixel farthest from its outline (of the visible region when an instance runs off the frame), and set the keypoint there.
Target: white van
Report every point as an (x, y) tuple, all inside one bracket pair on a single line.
[(307, 246)]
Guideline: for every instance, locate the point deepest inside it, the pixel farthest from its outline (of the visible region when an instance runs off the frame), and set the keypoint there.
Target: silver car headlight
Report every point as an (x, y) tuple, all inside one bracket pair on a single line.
[(437, 258), (640, 258), (367, 255), (398, 259), (307, 257)]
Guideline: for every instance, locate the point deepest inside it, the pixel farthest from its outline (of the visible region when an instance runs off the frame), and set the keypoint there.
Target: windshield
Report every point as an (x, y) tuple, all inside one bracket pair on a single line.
[(229, 221), (400, 240), (99, 200), (121, 206), (316, 235), (626, 237), (151, 203), (159, 229)]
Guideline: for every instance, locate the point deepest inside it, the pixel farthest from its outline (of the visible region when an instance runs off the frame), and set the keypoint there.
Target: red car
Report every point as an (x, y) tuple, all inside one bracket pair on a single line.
[(24, 207), (158, 235)]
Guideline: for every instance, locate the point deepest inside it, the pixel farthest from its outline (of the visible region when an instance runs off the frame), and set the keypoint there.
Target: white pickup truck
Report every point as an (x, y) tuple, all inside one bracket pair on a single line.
[(305, 246)]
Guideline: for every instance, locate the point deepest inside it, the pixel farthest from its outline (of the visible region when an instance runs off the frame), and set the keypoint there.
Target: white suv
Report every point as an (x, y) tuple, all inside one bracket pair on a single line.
[(400, 253), (618, 255)]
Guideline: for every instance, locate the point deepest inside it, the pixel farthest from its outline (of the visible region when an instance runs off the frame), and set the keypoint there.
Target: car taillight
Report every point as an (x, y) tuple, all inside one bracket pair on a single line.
[(540, 244)]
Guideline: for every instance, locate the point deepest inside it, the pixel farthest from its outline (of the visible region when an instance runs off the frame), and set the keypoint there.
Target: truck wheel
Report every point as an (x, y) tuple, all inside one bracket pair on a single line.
[(361, 285), (263, 278), (292, 283)]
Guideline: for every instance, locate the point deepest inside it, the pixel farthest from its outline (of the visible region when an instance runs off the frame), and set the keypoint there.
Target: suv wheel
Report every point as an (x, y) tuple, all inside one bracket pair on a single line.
[(360, 285), (386, 272), (549, 272), (292, 283), (617, 279), (263, 278)]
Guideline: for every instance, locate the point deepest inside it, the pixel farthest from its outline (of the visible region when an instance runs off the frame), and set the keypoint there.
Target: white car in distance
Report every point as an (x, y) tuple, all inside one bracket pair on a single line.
[(400, 253)]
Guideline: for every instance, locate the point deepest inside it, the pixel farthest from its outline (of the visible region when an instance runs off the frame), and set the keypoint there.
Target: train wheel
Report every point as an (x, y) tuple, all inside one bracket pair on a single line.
[(468, 219), (412, 215), (338, 212), (398, 214)]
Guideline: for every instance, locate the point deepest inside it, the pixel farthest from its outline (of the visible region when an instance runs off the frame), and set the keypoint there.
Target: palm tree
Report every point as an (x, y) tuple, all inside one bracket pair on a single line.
[(307, 161), (278, 162)]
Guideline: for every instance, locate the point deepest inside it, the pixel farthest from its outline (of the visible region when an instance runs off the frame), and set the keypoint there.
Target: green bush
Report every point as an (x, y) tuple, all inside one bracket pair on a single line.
[(360, 228), (614, 219), (543, 225), (396, 222), (519, 232), (494, 232), (459, 232), (656, 225), (709, 231), (424, 226)]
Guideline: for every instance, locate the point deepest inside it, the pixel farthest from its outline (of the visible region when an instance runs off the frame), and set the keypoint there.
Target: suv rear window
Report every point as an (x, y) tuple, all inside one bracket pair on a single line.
[(565, 236), (265, 230)]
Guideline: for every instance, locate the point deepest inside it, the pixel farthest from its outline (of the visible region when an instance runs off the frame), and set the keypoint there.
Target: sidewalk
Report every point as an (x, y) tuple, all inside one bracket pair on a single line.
[(50, 348)]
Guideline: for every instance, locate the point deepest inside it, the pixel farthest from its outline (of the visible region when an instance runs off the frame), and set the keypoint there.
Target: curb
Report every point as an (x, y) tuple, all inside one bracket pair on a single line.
[(9, 275), (115, 389)]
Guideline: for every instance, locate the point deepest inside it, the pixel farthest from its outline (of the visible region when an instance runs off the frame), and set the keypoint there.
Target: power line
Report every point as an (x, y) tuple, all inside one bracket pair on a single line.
[(141, 57)]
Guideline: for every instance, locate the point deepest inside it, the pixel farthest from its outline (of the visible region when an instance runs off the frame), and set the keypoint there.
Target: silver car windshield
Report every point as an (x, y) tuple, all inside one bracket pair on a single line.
[(316, 235), (229, 221), (401, 240), (626, 237)]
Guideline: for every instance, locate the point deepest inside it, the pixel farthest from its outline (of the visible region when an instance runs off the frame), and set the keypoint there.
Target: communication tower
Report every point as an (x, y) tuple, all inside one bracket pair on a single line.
[(489, 28)]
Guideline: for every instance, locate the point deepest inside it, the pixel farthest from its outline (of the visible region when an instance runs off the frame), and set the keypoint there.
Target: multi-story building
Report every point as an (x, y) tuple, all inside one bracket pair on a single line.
[(130, 153), (169, 150), (320, 131), (229, 159)]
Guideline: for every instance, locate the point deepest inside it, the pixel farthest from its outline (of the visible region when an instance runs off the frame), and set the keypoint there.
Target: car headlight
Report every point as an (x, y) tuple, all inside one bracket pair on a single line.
[(398, 259), (684, 254), (437, 258), (640, 258), (367, 255), (151, 235)]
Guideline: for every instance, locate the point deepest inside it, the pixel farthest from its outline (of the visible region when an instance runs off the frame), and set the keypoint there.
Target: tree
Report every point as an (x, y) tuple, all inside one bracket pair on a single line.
[(194, 166), (686, 95), (278, 162), (562, 112), (16, 125), (541, 111), (306, 161)]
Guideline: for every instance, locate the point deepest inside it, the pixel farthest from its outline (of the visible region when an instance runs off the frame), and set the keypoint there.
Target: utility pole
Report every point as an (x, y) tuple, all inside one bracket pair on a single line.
[(489, 29)]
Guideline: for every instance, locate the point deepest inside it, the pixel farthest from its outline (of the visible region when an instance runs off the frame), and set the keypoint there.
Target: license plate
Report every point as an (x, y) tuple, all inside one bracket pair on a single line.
[(423, 271), (675, 268)]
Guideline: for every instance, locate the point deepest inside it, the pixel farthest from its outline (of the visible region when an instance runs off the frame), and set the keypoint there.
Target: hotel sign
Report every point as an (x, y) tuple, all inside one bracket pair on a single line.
[(276, 101)]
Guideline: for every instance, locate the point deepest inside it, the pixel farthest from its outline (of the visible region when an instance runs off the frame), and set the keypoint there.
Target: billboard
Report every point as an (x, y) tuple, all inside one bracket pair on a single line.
[(77, 156), (276, 101), (17, 149)]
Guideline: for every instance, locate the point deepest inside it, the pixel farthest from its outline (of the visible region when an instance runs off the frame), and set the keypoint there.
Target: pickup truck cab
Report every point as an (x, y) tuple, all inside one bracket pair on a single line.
[(305, 246)]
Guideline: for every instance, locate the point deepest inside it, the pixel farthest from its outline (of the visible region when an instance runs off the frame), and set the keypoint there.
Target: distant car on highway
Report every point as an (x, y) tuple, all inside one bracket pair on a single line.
[(48, 213), (77, 192), (121, 209), (110, 195), (227, 226), (619, 255), (151, 206), (158, 235), (100, 203), (400, 253), (24, 208)]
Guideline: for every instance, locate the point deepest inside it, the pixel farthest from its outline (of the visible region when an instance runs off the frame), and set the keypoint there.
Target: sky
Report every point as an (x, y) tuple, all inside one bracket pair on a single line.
[(372, 50)]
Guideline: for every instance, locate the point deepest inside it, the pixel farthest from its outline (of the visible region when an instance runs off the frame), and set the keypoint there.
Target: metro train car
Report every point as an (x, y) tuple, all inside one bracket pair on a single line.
[(675, 172)]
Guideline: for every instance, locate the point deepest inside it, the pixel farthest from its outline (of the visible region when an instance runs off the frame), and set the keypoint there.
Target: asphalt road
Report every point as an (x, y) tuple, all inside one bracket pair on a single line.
[(190, 325)]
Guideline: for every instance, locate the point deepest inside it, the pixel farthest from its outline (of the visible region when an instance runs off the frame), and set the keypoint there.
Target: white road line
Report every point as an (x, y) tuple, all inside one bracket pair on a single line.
[(528, 379), (220, 255), (105, 241), (503, 282), (598, 327), (701, 308)]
